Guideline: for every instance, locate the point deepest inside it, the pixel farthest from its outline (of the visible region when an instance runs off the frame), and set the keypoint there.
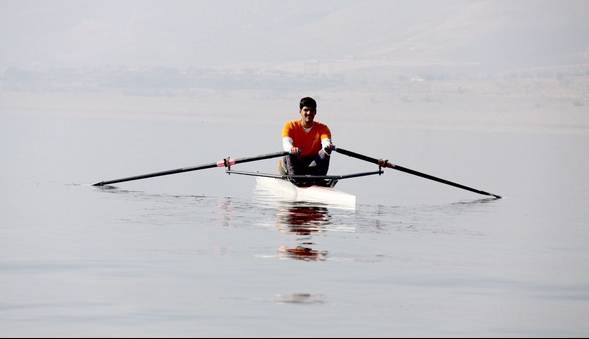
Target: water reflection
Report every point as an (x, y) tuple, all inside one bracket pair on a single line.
[(302, 253), (303, 221), (300, 298)]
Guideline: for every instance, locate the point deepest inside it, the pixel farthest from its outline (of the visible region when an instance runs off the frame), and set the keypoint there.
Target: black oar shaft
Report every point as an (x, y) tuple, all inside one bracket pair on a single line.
[(444, 181), (357, 155), (222, 163), (156, 174), (410, 171)]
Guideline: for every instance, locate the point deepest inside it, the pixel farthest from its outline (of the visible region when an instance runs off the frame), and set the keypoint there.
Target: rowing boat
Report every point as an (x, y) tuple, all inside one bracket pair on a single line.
[(304, 188)]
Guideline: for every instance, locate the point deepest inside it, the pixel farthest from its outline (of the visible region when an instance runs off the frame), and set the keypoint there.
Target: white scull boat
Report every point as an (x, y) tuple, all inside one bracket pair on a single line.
[(285, 190), (304, 188)]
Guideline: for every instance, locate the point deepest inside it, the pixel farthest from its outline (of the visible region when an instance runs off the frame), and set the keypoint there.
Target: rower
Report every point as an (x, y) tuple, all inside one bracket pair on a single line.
[(308, 143)]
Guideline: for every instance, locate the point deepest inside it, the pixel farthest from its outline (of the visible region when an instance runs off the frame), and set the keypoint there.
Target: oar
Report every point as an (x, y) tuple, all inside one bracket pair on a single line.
[(221, 163), (387, 164)]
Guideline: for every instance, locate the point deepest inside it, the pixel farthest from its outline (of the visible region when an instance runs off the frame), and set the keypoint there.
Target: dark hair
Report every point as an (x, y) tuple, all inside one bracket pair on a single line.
[(309, 102)]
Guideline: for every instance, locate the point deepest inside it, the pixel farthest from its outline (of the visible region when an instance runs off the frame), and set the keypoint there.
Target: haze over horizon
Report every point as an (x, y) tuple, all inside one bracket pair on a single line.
[(377, 56), (184, 34)]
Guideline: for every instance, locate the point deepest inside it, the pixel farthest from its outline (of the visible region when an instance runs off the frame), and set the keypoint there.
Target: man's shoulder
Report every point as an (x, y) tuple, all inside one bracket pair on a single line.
[(292, 123), (321, 125)]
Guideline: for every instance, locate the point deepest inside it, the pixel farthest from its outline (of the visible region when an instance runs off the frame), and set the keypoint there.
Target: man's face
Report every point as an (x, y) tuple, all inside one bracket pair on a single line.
[(308, 114)]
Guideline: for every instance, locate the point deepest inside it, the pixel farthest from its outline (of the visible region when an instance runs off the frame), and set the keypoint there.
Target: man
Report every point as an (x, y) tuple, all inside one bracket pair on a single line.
[(307, 141)]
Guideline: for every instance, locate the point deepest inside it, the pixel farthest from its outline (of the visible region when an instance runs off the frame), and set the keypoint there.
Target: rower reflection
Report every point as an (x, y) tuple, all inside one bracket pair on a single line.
[(302, 253), (304, 221)]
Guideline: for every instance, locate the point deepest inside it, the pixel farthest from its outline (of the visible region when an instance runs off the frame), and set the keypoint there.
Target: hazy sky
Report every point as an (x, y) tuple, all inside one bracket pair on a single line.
[(40, 34)]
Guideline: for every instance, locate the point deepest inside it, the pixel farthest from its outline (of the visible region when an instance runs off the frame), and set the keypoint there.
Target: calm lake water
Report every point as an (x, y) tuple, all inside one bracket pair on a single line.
[(198, 254)]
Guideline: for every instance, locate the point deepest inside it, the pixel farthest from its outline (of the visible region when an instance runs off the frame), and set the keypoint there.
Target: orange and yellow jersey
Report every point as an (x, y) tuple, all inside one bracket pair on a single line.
[(309, 141)]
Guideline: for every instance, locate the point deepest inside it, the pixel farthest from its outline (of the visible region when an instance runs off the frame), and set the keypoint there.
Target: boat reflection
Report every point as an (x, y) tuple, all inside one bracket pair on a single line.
[(303, 221)]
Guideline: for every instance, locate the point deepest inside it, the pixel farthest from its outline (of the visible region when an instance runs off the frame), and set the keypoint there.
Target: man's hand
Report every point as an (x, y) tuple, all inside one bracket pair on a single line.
[(329, 148), (384, 163), (295, 151)]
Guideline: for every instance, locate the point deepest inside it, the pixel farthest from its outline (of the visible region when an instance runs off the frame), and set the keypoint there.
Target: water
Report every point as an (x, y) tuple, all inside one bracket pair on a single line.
[(197, 254)]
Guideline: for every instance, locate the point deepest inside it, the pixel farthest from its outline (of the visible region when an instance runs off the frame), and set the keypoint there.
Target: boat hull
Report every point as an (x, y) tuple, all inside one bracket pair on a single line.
[(284, 190)]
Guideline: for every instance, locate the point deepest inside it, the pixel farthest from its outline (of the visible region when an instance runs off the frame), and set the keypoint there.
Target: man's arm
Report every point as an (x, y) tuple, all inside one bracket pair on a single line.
[(326, 144), (288, 146)]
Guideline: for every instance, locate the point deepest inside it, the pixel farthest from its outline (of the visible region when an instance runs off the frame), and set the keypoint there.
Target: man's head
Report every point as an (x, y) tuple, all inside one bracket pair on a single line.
[(308, 107), (308, 102)]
